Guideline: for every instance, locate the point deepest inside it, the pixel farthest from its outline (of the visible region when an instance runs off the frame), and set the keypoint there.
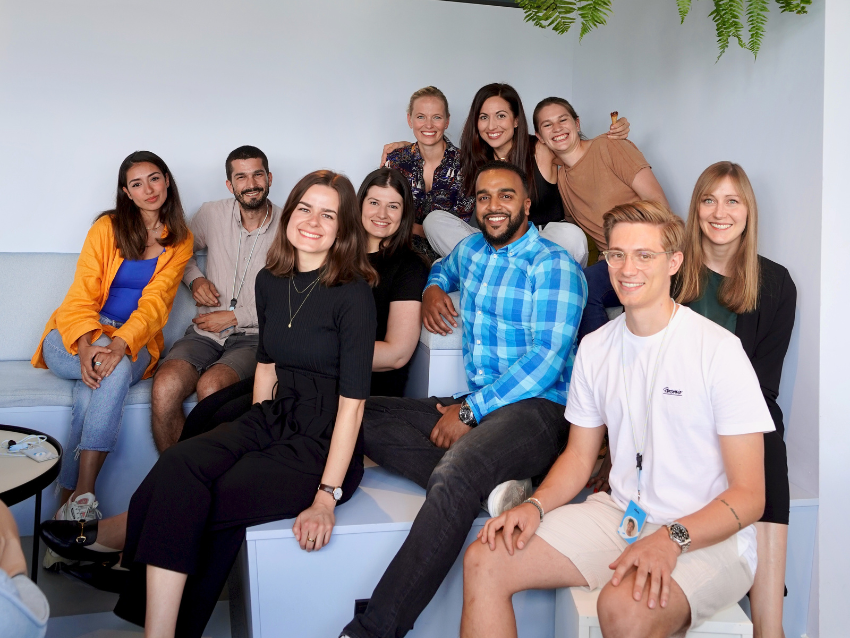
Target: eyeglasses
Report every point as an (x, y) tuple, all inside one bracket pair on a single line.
[(642, 258)]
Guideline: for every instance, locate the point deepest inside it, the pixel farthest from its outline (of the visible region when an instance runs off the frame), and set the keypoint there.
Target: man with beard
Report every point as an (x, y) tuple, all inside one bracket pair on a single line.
[(521, 300), (219, 348)]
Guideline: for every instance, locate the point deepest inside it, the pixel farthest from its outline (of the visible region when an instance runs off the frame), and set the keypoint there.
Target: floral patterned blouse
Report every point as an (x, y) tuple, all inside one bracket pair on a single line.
[(446, 188)]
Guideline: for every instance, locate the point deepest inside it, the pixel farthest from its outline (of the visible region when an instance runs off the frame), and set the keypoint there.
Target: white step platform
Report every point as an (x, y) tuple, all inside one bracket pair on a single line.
[(288, 592), (575, 617)]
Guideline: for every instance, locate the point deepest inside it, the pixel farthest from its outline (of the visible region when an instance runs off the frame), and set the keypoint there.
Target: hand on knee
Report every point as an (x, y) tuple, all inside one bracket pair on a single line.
[(621, 616)]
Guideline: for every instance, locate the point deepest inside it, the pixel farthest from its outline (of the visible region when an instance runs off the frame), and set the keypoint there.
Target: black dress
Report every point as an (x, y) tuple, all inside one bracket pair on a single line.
[(190, 513), (402, 278)]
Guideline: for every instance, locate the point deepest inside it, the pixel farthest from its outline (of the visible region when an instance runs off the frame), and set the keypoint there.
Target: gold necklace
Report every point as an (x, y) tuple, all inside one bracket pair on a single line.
[(312, 287)]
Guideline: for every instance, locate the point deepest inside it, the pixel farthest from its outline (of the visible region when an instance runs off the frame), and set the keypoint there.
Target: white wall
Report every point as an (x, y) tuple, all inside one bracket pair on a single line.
[(688, 111), (318, 83), (835, 346)]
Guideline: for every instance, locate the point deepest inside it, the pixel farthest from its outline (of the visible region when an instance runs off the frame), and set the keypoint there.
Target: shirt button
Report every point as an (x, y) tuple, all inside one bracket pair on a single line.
[(479, 312), (481, 372), (478, 342), (485, 285)]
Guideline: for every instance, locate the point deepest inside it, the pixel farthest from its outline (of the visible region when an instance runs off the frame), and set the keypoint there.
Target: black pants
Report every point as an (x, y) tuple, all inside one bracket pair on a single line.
[(517, 441), (190, 513), (224, 406)]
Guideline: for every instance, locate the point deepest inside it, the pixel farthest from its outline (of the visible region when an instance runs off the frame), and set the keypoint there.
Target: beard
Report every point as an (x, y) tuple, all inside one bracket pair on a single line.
[(252, 204), (514, 224)]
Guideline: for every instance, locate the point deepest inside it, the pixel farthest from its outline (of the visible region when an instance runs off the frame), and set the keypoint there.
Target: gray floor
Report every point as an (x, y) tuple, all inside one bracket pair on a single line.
[(80, 611)]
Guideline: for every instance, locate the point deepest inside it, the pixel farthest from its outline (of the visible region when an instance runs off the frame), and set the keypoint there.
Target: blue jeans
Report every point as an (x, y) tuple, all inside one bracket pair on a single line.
[(600, 295), (96, 414), (517, 441)]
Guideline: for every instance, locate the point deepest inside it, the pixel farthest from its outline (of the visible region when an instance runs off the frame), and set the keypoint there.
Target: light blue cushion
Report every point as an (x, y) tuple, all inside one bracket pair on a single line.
[(453, 340), (22, 386)]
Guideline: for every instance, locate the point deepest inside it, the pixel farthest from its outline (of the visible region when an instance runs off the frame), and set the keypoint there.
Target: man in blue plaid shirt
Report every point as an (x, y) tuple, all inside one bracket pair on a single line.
[(521, 300)]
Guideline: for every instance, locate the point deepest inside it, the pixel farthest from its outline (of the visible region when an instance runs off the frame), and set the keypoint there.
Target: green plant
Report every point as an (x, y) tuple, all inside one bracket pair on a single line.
[(729, 17)]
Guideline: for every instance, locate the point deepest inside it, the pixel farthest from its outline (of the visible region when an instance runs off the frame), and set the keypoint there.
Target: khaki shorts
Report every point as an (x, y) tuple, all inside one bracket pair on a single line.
[(712, 578), (239, 352)]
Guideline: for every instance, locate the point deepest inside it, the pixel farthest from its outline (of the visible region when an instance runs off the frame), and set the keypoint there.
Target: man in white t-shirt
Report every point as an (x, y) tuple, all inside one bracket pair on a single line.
[(685, 417)]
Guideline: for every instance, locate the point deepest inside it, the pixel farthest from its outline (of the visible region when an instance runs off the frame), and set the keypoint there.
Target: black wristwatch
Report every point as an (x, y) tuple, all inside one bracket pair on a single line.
[(466, 415), (679, 535)]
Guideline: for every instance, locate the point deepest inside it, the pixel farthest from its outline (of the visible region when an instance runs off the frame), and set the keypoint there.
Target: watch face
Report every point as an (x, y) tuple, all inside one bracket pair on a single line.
[(679, 533), (337, 493)]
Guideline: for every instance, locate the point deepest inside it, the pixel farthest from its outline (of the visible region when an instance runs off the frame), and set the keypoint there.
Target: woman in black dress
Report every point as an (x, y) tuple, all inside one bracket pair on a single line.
[(296, 452)]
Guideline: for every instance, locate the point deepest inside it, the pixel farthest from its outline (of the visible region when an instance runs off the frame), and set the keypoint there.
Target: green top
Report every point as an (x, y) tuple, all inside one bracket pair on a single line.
[(710, 308)]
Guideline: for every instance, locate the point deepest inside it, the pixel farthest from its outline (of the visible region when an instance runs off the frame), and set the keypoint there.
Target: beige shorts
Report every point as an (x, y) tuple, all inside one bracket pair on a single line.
[(712, 578)]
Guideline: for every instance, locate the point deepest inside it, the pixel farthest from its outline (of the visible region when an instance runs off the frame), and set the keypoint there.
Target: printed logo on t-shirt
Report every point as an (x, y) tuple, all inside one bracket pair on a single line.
[(671, 392)]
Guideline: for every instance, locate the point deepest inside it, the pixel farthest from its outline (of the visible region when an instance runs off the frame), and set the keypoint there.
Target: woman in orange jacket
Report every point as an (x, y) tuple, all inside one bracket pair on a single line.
[(107, 334)]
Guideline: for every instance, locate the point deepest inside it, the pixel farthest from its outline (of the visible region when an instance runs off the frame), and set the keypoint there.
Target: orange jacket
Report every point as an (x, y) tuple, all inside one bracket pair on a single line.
[(96, 268)]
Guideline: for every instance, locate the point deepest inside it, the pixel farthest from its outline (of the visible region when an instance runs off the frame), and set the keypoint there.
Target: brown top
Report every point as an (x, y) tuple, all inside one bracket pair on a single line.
[(600, 180)]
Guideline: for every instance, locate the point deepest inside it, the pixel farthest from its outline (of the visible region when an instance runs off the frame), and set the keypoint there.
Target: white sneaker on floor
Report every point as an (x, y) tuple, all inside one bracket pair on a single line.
[(507, 495), (82, 508)]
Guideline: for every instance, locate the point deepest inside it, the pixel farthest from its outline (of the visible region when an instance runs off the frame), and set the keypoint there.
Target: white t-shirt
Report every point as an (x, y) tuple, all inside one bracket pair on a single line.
[(705, 387)]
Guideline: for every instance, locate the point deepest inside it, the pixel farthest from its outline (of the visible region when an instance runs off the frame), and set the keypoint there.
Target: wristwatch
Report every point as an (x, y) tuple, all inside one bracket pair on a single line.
[(679, 535), (336, 492), (466, 415)]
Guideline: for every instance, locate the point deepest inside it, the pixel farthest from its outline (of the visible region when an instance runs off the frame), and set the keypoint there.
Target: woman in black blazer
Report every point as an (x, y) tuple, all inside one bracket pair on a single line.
[(725, 279)]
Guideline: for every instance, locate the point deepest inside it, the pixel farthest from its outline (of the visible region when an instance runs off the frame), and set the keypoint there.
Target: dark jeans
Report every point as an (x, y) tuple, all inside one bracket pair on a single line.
[(600, 295), (517, 441)]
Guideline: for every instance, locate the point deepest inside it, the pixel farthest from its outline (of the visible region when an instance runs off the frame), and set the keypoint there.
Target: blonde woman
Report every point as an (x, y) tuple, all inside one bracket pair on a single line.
[(725, 279)]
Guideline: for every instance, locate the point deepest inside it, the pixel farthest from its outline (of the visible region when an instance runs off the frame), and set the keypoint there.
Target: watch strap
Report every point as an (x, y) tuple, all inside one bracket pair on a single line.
[(330, 489)]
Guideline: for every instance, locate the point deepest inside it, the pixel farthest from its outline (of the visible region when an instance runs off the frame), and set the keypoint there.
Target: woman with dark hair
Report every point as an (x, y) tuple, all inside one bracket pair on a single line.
[(107, 334), (296, 452), (496, 129), (725, 279), (593, 177), (387, 214)]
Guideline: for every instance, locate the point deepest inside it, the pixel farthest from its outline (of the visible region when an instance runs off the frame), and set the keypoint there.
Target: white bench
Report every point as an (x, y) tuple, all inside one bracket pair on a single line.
[(575, 617)]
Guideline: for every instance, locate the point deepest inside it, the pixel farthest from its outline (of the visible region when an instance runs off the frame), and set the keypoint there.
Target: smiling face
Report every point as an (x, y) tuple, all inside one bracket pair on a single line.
[(722, 214), (557, 129), (647, 285), (496, 125), (501, 206), (249, 182), (381, 214), (147, 186), (428, 120), (313, 226)]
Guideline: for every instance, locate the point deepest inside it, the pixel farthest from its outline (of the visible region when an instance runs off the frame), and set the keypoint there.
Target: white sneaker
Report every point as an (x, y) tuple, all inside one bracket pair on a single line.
[(82, 508), (507, 495)]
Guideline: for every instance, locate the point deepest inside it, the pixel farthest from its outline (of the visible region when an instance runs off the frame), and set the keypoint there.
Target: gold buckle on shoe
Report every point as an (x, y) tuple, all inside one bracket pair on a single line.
[(81, 539)]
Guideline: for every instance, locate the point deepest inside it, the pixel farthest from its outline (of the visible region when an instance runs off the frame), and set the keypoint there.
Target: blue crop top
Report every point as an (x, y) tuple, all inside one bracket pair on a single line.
[(127, 287)]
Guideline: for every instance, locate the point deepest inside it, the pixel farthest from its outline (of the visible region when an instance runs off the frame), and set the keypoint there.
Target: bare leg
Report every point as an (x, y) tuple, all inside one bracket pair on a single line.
[(768, 591), (490, 578), (165, 590), (112, 531), (174, 381), (216, 377), (90, 463), (621, 616)]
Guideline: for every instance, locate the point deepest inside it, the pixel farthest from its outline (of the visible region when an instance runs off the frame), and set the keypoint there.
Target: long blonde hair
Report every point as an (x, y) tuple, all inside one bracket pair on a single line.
[(739, 291)]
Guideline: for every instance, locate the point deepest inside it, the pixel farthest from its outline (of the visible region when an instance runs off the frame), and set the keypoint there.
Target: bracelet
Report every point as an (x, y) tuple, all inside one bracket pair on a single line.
[(536, 504)]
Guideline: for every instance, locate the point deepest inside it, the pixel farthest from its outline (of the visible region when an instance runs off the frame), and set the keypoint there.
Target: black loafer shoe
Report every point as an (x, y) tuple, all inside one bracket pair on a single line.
[(76, 540), (99, 576)]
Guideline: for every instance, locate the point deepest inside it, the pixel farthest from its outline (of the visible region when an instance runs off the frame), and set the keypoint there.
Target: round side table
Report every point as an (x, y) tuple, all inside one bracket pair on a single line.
[(22, 478)]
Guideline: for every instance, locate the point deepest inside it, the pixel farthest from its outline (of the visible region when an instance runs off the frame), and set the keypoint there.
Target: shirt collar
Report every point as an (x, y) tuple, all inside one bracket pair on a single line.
[(520, 244), (237, 217)]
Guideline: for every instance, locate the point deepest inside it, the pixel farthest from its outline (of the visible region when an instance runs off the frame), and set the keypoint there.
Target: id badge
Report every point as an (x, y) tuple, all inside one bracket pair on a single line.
[(632, 524)]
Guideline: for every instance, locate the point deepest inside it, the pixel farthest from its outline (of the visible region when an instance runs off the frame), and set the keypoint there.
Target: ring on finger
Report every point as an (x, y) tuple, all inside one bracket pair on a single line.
[(311, 540), (97, 363)]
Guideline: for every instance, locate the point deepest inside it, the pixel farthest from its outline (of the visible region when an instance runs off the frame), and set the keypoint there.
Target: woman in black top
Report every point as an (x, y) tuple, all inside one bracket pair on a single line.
[(387, 214), (295, 453), (725, 279)]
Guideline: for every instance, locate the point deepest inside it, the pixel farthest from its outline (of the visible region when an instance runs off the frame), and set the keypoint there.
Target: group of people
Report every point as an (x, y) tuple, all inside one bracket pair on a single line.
[(308, 317)]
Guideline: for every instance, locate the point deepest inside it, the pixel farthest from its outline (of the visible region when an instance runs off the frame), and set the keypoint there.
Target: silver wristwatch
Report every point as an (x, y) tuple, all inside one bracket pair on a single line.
[(679, 535), (466, 415)]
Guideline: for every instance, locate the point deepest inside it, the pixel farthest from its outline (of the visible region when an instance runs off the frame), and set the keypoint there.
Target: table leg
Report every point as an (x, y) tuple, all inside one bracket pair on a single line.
[(36, 537)]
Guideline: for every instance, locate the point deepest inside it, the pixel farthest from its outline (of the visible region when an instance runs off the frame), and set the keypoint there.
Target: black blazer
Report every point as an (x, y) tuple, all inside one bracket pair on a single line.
[(766, 331)]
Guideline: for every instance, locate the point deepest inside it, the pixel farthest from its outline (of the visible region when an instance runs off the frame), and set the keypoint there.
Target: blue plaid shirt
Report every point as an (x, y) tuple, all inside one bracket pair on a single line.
[(520, 307)]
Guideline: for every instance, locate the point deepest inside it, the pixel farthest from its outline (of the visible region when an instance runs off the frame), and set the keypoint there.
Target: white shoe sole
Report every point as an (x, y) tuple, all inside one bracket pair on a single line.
[(508, 495)]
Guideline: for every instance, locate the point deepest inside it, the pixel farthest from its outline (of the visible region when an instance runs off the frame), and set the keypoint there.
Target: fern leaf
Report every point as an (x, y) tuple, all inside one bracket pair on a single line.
[(558, 15), (727, 16), (684, 8), (794, 6), (593, 13), (756, 20)]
